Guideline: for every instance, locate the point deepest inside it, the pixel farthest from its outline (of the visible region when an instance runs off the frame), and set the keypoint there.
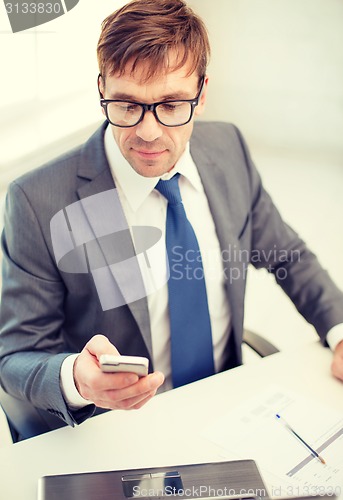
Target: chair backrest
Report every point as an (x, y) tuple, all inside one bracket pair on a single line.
[(259, 344), (24, 420)]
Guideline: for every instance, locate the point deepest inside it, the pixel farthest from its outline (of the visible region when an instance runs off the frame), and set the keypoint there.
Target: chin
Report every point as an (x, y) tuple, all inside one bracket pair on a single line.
[(151, 170)]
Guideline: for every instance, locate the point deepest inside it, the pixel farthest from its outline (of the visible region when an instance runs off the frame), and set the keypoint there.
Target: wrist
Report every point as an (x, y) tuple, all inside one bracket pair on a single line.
[(335, 336), (68, 384)]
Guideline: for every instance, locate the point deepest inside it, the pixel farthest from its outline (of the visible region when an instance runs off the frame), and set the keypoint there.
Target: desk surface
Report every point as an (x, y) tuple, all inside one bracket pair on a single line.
[(167, 431)]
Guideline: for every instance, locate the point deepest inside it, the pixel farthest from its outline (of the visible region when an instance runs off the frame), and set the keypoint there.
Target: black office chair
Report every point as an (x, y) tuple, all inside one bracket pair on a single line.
[(258, 344), (26, 421)]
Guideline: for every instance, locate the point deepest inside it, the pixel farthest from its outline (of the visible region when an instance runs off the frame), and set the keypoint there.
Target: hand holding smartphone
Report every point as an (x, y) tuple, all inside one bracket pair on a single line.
[(133, 364)]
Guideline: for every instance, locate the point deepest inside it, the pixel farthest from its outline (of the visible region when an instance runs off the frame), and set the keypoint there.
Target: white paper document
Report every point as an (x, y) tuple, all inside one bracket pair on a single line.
[(252, 430)]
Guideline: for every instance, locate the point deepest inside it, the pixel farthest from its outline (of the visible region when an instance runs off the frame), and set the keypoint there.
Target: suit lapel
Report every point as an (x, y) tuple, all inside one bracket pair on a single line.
[(221, 195)]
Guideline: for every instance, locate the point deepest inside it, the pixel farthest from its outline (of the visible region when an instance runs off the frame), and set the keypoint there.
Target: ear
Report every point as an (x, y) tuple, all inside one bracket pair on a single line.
[(202, 100), (101, 86), (101, 89)]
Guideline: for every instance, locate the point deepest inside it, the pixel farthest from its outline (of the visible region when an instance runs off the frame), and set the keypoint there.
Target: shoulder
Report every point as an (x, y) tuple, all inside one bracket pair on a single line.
[(219, 135), (61, 177), (67, 165), (45, 188), (61, 167), (221, 141), (215, 128)]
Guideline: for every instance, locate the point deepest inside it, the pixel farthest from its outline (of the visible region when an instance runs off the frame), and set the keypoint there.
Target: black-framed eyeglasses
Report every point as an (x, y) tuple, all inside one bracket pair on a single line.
[(173, 113)]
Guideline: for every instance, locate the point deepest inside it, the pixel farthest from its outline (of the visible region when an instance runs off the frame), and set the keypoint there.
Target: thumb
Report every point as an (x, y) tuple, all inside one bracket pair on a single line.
[(99, 344)]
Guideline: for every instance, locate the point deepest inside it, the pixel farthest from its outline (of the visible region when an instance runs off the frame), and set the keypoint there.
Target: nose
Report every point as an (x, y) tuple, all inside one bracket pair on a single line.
[(149, 129)]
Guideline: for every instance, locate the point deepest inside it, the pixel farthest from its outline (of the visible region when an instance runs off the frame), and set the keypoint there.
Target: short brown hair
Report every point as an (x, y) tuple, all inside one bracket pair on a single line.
[(146, 31)]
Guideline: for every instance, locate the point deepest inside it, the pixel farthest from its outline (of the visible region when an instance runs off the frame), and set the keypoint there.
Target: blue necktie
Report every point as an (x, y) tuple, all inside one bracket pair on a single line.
[(190, 327)]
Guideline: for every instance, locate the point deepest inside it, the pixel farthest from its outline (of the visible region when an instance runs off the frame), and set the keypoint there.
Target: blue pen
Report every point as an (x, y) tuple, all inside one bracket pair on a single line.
[(289, 428)]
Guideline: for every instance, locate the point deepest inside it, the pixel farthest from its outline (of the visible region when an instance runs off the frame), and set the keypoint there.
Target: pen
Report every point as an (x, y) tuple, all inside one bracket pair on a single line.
[(311, 450)]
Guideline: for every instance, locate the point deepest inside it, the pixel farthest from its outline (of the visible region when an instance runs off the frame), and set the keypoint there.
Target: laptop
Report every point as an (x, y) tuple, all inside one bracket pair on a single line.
[(238, 479)]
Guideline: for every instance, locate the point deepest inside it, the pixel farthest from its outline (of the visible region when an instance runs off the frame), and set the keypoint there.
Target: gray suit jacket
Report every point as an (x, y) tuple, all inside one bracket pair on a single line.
[(47, 314)]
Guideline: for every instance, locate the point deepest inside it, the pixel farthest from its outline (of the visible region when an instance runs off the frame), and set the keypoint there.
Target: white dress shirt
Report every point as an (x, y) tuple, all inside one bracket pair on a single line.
[(145, 206)]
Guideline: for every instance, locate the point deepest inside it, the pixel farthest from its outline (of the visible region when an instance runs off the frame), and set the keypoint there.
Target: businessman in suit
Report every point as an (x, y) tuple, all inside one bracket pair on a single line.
[(54, 324)]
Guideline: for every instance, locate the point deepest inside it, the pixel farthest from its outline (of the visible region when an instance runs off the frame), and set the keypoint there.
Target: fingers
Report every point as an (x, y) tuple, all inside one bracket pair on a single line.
[(93, 384), (111, 390), (133, 396), (337, 362), (134, 393), (127, 404), (99, 344)]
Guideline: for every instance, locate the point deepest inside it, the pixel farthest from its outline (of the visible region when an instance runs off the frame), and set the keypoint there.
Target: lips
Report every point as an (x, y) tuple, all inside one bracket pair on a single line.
[(149, 154)]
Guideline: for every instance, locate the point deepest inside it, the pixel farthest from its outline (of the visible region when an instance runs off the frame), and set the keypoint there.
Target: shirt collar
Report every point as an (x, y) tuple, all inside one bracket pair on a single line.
[(137, 188)]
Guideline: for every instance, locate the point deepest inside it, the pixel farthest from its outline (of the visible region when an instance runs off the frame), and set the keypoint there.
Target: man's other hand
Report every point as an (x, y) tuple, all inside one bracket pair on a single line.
[(123, 391), (337, 362)]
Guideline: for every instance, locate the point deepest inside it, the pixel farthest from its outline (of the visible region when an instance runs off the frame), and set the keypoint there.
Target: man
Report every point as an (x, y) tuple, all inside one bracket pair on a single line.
[(58, 318)]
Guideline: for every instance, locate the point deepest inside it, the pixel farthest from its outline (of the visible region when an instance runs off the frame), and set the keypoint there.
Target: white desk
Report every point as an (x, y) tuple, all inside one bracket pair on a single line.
[(167, 430)]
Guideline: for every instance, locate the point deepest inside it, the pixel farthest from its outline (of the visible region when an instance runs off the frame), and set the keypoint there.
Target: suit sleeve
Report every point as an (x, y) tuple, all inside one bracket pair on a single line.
[(31, 313), (279, 249)]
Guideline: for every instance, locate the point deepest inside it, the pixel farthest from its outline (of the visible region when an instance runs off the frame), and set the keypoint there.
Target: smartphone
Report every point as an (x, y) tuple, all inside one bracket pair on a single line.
[(133, 364)]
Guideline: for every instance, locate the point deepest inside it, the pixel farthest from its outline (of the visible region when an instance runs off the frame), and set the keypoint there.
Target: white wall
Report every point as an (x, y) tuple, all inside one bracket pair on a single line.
[(277, 71)]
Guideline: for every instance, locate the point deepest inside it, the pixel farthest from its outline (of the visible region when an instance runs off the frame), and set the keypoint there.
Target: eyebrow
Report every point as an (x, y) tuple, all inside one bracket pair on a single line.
[(177, 96)]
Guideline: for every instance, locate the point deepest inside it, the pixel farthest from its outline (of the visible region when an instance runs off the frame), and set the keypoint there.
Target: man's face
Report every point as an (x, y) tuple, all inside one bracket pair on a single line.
[(151, 148)]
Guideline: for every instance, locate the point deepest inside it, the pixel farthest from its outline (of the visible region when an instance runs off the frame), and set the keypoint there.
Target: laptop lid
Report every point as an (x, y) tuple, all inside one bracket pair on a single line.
[(239, 478)]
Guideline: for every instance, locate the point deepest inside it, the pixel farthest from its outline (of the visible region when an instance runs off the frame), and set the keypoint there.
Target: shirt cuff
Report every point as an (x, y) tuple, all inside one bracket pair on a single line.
[(335, 336), (71, 395)]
